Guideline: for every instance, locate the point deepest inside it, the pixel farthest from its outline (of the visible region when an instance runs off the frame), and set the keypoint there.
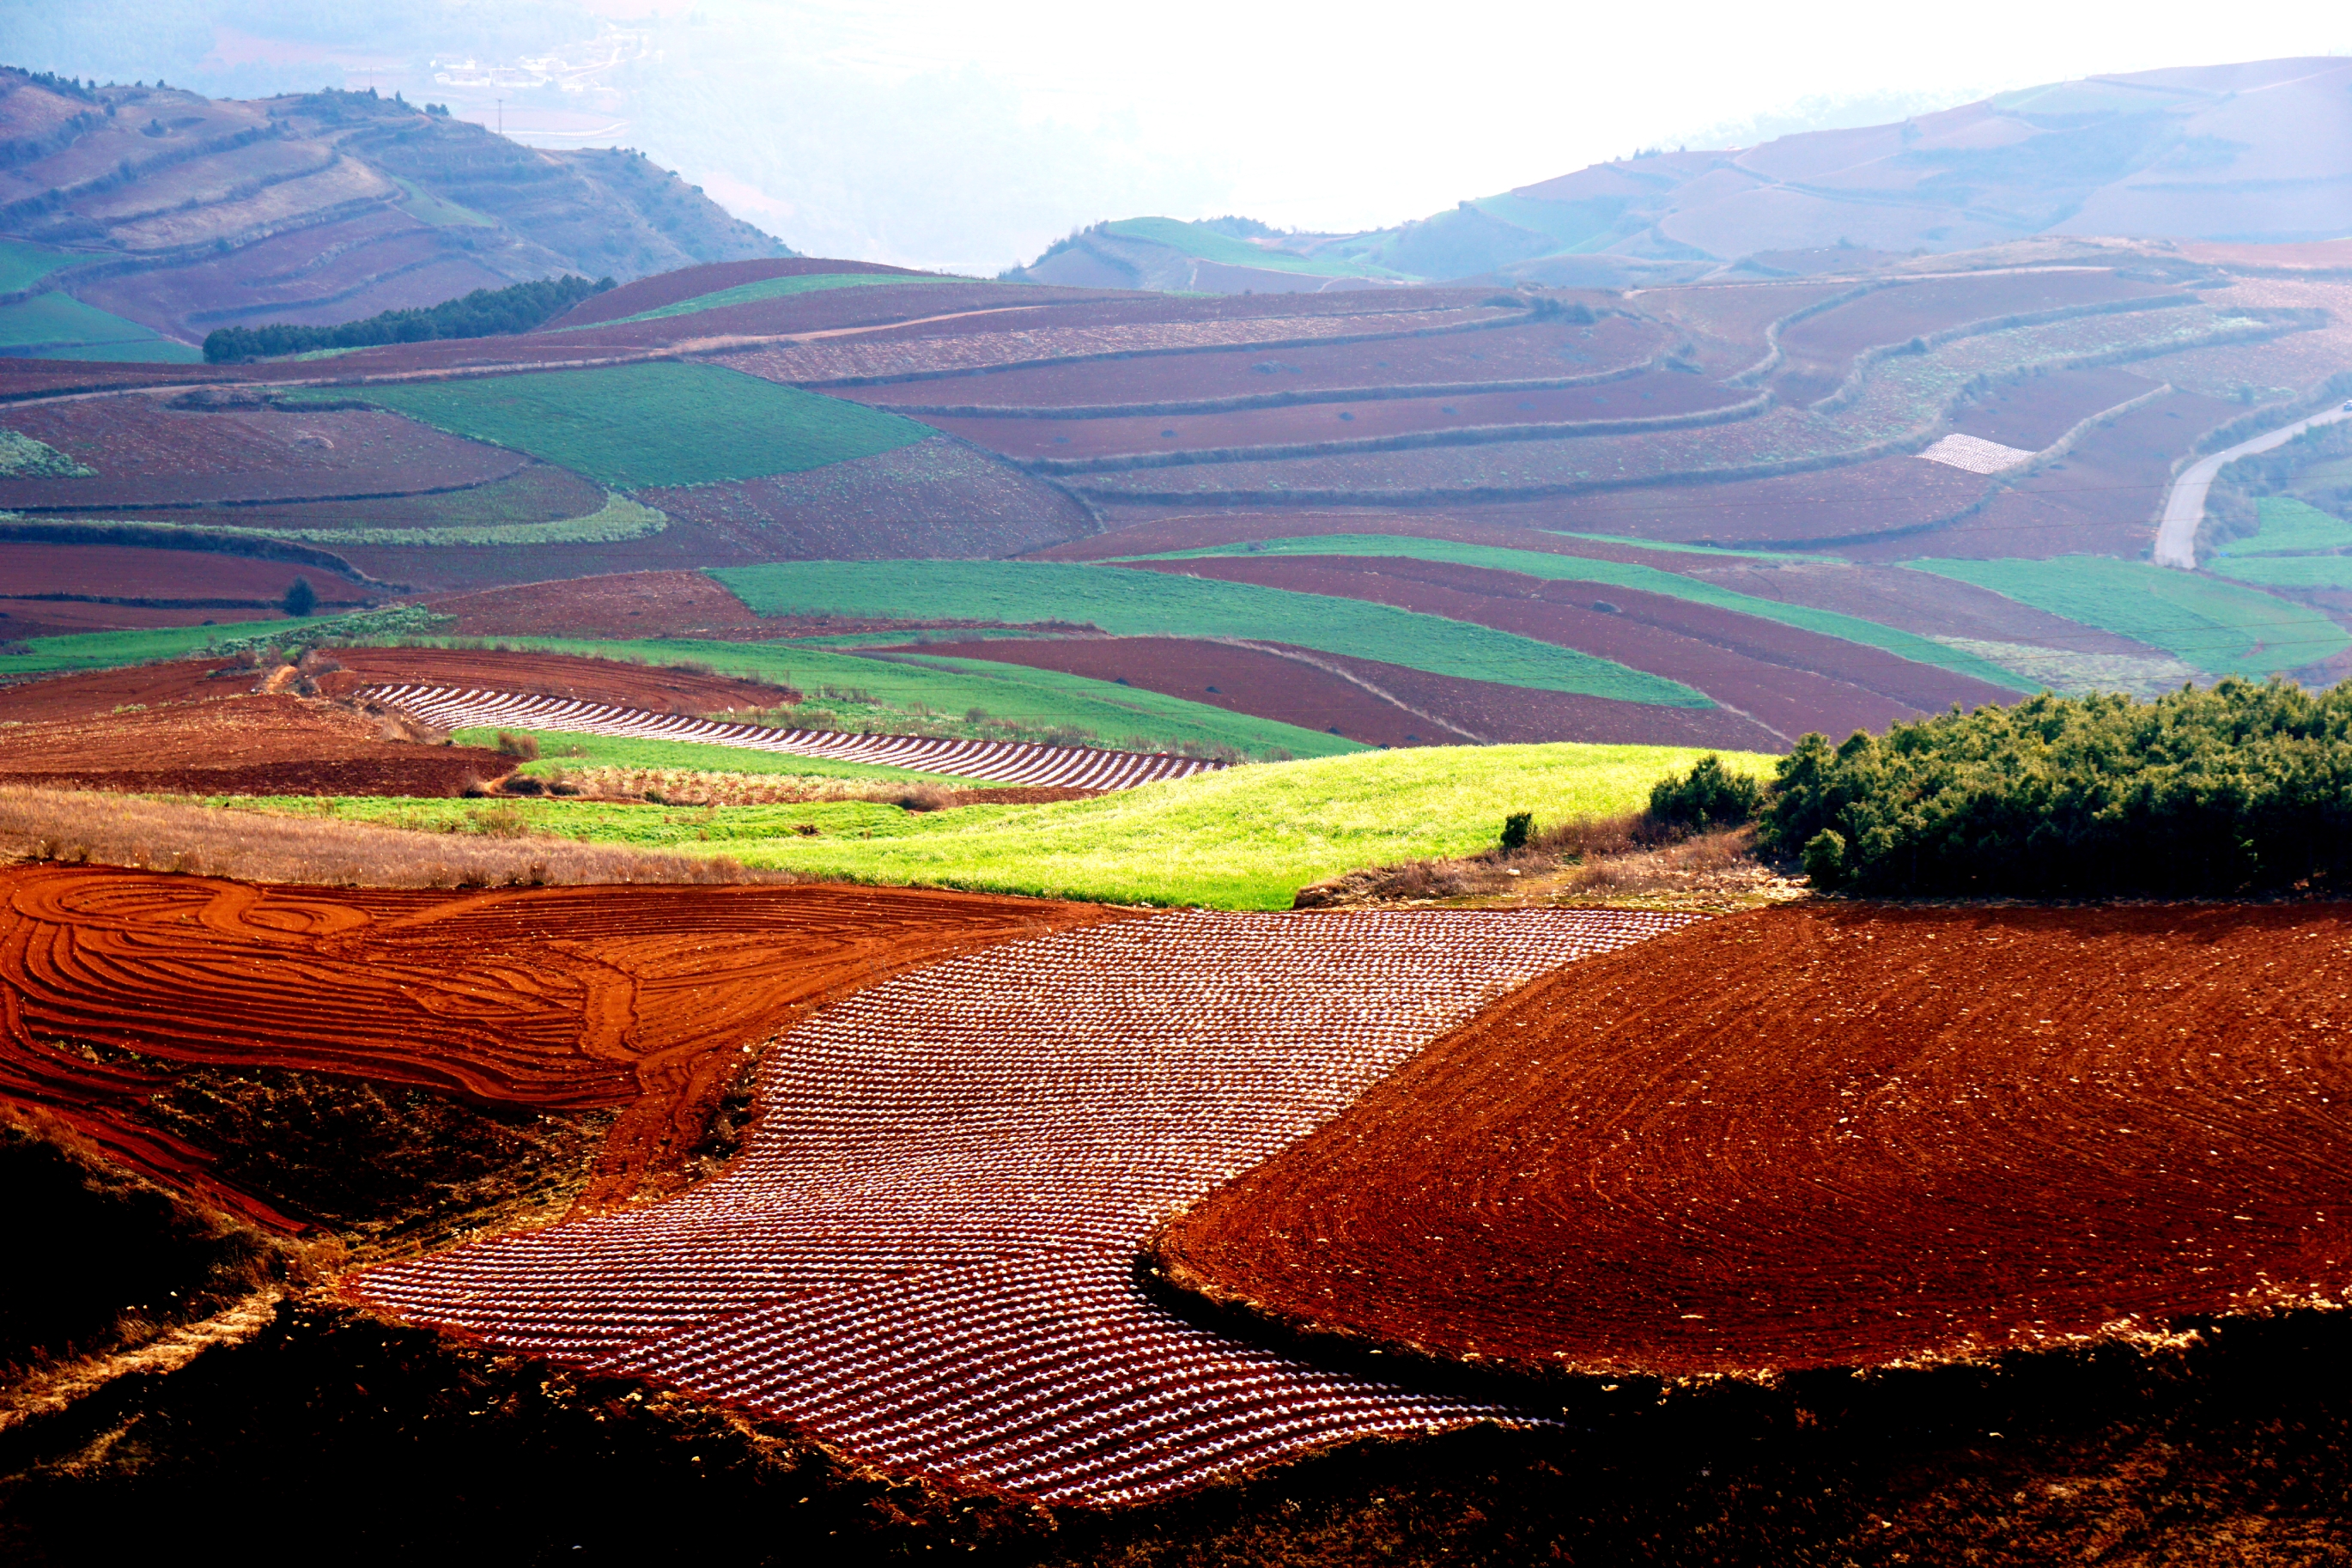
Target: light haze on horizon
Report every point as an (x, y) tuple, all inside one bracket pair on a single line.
[(926, 134)]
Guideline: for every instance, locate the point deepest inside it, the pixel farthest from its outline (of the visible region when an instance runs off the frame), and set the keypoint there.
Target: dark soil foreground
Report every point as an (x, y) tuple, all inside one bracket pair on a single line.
[(387, 1444)]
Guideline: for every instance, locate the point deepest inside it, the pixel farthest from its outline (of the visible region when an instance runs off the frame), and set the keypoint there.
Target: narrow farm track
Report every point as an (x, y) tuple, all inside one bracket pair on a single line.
[(1000, 762), (925, 1253), (635, 999)]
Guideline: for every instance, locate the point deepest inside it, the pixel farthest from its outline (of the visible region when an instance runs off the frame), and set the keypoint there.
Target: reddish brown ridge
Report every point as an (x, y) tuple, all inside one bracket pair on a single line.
[(1847, 1136), (636, 999)]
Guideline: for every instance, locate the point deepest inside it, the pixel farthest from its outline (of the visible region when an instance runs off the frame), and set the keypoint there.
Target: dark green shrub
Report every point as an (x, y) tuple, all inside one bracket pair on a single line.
[(2241, 788), (1824, 857), (1518, 828), (301, 599), (1709, 795)]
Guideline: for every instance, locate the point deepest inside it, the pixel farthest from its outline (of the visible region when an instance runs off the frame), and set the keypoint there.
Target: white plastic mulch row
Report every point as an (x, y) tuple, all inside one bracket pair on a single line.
[(924, 1254), (1976, 455), (999, 761)]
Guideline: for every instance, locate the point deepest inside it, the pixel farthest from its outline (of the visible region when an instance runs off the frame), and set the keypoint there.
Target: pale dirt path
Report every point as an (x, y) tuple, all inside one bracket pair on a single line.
[(2184, 505)]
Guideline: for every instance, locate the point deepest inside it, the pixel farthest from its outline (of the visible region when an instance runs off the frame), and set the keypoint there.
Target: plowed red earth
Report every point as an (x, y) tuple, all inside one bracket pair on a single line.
[(1888, 496), (21, 619), (2031, 414), (1816, 1136), (1647, 396), (1534, 351), (248, 745), (2100, 499), (144, 453), (647, 686), (164, 576), (635, 999), (693, 282), (1788, 679)]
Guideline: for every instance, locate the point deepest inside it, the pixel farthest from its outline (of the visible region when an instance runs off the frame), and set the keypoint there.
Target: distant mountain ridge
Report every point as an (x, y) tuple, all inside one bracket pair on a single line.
[(183, 214), (2260, 153)]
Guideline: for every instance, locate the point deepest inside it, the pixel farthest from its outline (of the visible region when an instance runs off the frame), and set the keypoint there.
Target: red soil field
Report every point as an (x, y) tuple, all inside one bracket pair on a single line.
[(95, 692), (1736, 316), (949, 349), (1530, 351), (22, 618), (1512, 714), (536, 492), (24, 378), (691, 282), (1238, 679), (1830, 1136), (936, 498), (2100, 500), (647, 605), (2033, 413), (651, 687), (643, 1003), (1791, 681), (146, 454), (242, 744), (1820, 348), (1891, 494), (165, 576), (627, 604), (1646, 396)]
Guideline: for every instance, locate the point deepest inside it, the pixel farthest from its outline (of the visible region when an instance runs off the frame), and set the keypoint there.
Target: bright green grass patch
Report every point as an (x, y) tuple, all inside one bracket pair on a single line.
[(2220, 628), (58, 326), (2285, 571), (426, 207), (2288, 524), (104, 650), (633, 426), (1625, 574), (1212, 244), (765, 288), (1242, 838), (883, 693), (561, 749), (1157, 604), (23, 265)]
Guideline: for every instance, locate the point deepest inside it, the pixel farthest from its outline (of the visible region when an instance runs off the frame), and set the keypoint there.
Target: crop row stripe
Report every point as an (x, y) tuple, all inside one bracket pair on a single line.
[(1003, 761)]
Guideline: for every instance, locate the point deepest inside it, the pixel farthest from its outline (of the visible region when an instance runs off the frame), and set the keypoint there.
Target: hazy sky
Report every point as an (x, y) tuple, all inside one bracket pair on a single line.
[(968, 135)]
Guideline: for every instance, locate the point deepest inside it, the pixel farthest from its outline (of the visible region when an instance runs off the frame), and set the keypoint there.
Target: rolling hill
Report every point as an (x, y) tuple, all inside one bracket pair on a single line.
[(133, 220), (2259, 152)]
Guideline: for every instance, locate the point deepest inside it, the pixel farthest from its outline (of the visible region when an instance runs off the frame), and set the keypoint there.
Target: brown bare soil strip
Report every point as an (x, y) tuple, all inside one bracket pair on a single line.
[(624, 605), (103, 573), (245, 744), (661, 689), (640, 1000), (1821, 1136), (1612, 862)]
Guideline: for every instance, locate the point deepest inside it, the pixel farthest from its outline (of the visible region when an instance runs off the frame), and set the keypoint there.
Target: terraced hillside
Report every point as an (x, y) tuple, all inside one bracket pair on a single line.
[(1722, 513), (139, 218)]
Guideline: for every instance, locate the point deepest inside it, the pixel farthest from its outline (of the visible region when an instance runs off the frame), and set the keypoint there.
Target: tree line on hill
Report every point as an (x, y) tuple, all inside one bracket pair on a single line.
[(484, 313), (2245, 788)]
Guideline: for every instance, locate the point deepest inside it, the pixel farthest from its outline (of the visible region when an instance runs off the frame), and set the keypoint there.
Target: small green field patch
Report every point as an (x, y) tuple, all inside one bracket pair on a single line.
[(23, 265), (2220, 628), (765, 288), (636, 426), (2289, 526), (1158, 603), (58, 326)]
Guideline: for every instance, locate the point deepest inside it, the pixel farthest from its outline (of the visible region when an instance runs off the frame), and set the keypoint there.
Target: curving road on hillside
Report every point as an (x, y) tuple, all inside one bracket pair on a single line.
[(2184, 508)]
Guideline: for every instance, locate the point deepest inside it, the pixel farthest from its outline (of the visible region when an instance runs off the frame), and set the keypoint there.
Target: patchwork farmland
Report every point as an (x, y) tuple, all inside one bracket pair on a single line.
[(900, 913)]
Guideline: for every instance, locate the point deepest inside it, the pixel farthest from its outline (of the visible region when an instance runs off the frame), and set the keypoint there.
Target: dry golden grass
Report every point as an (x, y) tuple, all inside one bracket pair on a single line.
[(1613, 859), (174, 835)]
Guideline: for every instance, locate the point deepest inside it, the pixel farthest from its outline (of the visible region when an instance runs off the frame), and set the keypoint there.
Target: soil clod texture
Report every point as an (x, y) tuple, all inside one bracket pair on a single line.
[(1829, 1136), (119, 987), (924, 1255)]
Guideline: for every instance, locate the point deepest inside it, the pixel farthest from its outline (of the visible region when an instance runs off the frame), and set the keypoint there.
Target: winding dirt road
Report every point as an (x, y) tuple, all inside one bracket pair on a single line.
[(2184, 508)]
